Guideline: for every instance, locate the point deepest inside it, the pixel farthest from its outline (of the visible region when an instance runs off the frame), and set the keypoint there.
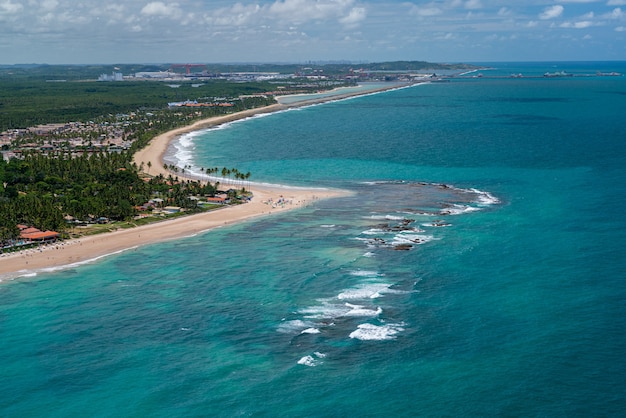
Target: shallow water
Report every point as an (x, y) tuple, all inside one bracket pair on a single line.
[(501, 293)]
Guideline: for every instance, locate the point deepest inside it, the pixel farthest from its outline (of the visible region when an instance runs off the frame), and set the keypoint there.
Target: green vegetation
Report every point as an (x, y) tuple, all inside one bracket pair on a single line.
[(47, 192), (26, 103)]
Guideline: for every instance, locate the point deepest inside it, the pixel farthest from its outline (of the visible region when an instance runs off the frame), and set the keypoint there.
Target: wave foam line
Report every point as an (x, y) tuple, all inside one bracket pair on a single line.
[(34, 273)]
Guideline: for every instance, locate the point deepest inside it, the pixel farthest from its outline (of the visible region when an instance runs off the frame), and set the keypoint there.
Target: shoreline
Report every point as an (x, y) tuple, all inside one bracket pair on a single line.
[(88, 249)]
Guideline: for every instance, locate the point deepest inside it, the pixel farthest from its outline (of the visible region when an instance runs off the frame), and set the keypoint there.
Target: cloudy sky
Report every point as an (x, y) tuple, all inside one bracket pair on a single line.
[(144, 31)]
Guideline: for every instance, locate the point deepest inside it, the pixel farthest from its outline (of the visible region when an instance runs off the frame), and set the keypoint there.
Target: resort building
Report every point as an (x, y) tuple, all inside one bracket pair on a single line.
[(31, 234)]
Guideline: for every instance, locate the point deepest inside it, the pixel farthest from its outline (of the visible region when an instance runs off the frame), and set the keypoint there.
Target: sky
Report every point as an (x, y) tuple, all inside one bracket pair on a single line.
[(299, 31)]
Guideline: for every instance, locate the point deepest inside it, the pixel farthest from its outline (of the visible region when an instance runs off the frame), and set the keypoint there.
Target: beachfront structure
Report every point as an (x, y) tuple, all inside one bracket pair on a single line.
[(31, 234), (172, 209), (217, 200)]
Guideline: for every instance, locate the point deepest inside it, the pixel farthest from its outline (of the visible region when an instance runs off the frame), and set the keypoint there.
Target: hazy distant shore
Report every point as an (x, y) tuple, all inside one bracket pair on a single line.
[(266, 200)]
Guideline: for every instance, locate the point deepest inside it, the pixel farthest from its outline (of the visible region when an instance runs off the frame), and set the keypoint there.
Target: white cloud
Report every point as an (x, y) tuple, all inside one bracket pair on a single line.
[(287, 13), (426, 11), (504, 11), (237, 15), (304, 10), (9, 7), (583, 24), (473, 4), (616, 13), (299, 29), (113, 13), (355, 16), (446, 37), (160, 9), (551, 12), (48, 5)]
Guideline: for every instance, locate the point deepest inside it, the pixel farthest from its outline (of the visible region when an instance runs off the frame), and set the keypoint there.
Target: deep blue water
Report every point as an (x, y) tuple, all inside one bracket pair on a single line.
[(513, 305)]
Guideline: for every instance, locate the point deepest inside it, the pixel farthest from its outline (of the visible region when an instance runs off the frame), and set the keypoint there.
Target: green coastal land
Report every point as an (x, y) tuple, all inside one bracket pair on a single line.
[(68, 135)]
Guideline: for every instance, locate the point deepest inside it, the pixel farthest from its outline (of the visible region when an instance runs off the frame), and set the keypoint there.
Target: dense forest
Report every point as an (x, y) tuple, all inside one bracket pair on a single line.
[(25, 103), (43, 191)]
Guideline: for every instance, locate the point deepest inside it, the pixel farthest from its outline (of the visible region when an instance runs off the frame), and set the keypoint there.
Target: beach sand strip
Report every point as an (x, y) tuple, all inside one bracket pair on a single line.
[(90, 248)]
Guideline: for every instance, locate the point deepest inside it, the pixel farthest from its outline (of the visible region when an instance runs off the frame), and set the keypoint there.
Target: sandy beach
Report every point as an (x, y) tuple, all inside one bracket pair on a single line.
[(91, 248)]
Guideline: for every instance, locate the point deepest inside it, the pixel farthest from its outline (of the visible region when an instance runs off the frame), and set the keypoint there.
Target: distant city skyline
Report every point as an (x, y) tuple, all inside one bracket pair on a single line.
[(140, 31)]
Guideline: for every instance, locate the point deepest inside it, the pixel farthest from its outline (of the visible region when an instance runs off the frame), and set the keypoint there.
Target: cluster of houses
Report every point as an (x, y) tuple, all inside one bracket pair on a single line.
[(75, 137), (155, 206), (195, 103)]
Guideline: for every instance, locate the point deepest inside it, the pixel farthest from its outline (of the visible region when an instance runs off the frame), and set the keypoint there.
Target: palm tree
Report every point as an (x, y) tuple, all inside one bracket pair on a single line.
[(225, 172), (247, 177)]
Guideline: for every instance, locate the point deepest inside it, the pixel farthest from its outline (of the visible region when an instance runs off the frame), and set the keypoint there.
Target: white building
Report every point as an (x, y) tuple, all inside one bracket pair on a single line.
[(113, 77)]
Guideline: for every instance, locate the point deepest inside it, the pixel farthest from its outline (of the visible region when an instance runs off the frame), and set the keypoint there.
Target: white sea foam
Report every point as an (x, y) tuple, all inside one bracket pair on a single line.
[(457, 209), (361, 311), (311, 331), (313, 360), (404, 238), (371, 332), (373, 231), (368, 291), (183, 153), (369, 254), (327, 226), (294, 326), (308, 361), (33, 273), (486, 198), (365, 293), (365, 273), (328, 311), (379, 182), (437, 224), (324, 312), (386, 217)]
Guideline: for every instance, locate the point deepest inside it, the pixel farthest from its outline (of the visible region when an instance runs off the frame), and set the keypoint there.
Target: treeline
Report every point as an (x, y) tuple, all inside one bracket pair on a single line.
[(41, 191), (27, 103)]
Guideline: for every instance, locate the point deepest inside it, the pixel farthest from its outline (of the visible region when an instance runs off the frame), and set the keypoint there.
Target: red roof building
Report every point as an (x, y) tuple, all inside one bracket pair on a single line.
[(34, 234)]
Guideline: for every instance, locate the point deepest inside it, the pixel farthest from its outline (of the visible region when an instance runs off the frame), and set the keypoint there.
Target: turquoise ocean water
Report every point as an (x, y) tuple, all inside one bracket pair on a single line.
[(479, 268)]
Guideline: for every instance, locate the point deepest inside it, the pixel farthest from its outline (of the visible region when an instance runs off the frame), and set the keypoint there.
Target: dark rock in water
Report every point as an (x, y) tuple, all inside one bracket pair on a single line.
[(402, 247), (403, 225), (377, 241), (440, 223)]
